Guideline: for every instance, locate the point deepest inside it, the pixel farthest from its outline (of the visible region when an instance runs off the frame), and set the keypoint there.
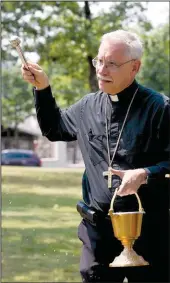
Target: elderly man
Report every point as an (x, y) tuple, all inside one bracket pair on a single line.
[(122, 130)]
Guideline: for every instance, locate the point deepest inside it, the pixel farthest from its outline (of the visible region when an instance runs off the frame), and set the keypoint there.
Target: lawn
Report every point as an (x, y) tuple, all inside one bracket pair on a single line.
[(39, 224)]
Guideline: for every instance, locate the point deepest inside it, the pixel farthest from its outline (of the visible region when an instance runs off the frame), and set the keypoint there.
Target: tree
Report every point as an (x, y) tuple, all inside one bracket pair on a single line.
[(66, 35), (155, 70), (16, 100)]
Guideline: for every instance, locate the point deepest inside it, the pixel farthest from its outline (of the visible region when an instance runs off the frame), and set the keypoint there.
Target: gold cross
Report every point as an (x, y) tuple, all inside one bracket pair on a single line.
[(109, 174)]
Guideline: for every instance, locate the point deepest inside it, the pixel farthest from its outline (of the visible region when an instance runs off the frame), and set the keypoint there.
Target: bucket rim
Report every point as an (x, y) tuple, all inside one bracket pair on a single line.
[(129, 212)]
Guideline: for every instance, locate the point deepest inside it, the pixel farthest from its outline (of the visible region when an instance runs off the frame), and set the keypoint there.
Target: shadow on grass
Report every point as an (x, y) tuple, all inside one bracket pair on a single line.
[(62, 180)]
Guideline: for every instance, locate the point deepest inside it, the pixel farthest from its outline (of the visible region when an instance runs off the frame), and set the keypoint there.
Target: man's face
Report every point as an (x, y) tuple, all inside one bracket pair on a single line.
[(112, 79)]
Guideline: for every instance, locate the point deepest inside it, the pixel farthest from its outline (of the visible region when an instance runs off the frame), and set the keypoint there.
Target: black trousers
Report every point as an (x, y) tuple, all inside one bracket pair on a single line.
[(100, 247)]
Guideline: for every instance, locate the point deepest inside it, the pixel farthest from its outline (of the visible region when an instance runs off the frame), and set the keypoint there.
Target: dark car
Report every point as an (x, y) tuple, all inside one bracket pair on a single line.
[(19, 157)]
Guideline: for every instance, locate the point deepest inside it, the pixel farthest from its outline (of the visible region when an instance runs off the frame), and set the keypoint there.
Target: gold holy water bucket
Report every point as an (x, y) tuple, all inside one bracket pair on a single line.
[(127, 228)]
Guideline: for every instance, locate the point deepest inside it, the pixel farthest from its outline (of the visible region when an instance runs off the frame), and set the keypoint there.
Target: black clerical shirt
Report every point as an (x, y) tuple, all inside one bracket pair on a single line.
[(145, 141)]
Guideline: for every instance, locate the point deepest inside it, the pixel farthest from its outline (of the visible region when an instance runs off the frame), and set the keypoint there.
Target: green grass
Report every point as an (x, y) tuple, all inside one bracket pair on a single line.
[(39, 224)]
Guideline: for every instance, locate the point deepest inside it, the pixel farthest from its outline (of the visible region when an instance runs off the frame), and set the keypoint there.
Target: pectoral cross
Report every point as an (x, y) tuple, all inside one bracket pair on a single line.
[(109, 174)]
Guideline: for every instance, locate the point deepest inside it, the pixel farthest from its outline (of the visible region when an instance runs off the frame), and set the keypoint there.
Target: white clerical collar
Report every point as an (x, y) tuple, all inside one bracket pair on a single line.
[(114, 98)]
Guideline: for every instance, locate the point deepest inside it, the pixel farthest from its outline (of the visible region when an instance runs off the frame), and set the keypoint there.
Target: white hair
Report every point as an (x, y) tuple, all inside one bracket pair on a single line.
[(131, 40)]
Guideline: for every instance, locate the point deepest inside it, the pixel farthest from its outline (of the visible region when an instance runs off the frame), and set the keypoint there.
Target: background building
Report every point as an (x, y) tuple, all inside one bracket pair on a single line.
[(29, 136)]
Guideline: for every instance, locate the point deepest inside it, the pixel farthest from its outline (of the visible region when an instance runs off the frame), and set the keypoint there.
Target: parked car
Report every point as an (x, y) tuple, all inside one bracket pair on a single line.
[(19, 157)]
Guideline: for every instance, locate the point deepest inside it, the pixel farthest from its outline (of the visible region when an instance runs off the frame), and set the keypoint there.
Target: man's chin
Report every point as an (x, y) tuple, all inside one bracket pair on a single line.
[(104, 85), (104, 88)]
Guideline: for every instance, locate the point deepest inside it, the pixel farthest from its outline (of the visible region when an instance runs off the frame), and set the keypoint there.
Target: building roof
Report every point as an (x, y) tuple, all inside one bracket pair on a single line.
[(30, 126)]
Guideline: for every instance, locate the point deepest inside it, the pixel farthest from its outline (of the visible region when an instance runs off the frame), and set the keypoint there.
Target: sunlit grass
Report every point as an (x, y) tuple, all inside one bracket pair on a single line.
[(39, 224)]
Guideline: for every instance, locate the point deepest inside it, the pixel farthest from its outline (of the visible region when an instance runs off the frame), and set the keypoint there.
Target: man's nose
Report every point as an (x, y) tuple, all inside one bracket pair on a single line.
[(103, 69)]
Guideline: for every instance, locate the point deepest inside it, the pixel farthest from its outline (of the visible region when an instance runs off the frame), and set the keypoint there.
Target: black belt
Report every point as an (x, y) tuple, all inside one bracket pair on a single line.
[(90, 214)]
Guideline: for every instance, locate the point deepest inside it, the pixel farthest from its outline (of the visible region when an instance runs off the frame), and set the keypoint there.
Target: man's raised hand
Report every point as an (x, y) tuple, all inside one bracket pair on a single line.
[(35, 76)]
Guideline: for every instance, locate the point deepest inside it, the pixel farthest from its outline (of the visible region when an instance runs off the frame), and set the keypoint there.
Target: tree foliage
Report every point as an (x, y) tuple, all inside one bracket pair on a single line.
[(155, 70), (16, 98), (66, 36)]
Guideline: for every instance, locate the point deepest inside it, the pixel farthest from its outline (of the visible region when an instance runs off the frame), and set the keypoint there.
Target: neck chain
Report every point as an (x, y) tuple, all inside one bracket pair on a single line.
[(109, 173)]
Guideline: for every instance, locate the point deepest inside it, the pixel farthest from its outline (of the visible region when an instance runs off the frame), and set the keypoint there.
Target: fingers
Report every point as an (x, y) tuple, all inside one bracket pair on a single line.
[(35, 75), (26, 72), (131, 180), (124, 191), (33, 69), (119, 173), (25, 67), (27, 75), (34, 65)]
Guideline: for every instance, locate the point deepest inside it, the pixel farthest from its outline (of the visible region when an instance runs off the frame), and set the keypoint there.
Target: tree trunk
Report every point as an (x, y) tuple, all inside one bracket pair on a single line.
[(92, 72), (16, 137), (92, 75), (7, 144)]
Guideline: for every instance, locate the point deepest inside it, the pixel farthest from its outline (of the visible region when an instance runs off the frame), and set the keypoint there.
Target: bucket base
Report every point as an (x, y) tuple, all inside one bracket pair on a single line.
[(128, 257)]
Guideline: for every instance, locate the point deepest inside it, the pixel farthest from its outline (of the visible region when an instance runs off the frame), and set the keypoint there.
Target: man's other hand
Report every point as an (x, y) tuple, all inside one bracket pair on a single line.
[(131, 180)]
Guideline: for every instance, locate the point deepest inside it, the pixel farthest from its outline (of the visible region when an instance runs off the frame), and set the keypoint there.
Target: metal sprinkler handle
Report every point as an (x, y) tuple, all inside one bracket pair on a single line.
[(15, 42)]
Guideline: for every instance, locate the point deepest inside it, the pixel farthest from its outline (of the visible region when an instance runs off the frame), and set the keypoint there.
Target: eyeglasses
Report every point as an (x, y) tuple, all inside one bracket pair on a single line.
[(109, 64)]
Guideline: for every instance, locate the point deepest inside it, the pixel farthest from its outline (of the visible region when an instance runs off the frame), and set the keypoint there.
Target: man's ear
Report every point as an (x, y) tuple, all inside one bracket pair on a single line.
[(136, 66)]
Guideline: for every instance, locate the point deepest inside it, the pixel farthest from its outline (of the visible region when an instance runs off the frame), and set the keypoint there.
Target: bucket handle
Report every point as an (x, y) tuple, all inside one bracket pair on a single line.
[(114, 196)]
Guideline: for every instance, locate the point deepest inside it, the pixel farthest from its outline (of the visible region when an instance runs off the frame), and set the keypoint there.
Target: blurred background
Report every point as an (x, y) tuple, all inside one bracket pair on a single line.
[(39, 218)]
